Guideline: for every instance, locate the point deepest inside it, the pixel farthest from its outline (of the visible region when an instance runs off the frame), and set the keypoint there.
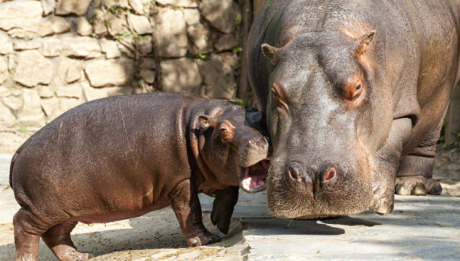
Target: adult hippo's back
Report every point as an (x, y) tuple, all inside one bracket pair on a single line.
[(355, 94)]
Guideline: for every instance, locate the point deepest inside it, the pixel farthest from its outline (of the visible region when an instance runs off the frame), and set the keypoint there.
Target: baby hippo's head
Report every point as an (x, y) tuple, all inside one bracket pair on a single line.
[(236, 147)]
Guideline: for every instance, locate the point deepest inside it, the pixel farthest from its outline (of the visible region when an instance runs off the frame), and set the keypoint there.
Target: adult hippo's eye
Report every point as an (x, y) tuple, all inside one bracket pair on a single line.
[(353, 89), (279, 97), (358, 90)]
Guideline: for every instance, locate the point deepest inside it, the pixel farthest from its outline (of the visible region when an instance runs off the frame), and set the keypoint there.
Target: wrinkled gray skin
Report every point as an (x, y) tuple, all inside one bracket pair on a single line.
[(355, 93)]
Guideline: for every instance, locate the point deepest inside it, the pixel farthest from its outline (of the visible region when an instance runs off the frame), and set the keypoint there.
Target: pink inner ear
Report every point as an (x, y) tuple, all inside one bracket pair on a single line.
[(330, 174)]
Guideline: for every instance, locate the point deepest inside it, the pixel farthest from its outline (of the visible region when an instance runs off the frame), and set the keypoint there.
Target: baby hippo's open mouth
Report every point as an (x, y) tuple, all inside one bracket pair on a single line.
[(255, 177)]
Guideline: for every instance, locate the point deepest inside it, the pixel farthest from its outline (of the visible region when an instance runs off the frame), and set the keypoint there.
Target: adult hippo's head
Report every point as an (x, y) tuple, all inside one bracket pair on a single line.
[(328, 110)]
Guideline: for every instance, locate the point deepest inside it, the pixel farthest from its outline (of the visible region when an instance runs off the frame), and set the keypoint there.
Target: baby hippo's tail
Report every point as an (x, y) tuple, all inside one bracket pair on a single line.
[(15, 156)]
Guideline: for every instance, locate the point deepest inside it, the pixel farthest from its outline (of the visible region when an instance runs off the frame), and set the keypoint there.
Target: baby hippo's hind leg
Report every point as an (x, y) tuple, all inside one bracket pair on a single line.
[(58, 240), (27, 232), (186, 205)]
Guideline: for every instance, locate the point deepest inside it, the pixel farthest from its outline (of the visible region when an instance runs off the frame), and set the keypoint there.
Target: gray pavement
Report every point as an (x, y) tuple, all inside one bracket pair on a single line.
[(420, 228), (5, 160)]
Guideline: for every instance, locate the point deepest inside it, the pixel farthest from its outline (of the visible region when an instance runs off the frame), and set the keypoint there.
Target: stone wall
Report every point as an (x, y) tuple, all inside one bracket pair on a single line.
[(55, 55)]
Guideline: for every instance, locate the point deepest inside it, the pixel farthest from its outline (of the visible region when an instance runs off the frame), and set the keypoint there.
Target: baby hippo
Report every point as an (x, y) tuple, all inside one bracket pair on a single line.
[(122, 157)]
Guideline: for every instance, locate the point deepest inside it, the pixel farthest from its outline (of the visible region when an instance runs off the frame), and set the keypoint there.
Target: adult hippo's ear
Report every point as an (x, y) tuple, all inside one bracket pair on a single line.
[(272, 53), (365, 41), (363, 44), (207, 121), (256, 119)]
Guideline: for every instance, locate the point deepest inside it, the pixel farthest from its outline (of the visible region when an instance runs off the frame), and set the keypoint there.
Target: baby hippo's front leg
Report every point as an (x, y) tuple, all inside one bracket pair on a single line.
[(186, 205)]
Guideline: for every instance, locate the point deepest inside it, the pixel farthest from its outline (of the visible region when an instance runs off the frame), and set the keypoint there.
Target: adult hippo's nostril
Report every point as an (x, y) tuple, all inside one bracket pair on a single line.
[(329, 173), (295, 171)]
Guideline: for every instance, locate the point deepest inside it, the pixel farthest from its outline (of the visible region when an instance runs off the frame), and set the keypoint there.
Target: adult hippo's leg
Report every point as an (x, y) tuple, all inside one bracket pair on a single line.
[(387, 162), (415, 176)]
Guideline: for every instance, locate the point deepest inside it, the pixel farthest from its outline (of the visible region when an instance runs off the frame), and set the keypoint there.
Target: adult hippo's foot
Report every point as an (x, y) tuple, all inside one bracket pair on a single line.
[(416, 169), (417, 186)]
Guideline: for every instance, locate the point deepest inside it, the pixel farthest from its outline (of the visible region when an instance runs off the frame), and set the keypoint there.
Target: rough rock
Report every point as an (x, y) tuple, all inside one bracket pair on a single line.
[(45, 92), (110, 49), (200, 36), (48, 6), (116, 72), (4, 92), (145, 45), (19, 46), (66, 104), (20, 17), (140, 24), (137, 6), (184, 3), (226, 42), (81, 47), (21, 34), (148, 63), (221, 14), (31, 114), (98, 93), (60, 25), (49, 105), (126, 51), (191, 16), (148, 75), (115, 3), (13, 102), (84, 28), (12, 62), (45, 30), (69, 92), (78, 7), (99, 24), (115, 25), (52, 47), (3, 71), (171, 33), (33, 69), (74, 73), (218, 75), (7, 118), (70, 70), (6, 46), (180, 75)]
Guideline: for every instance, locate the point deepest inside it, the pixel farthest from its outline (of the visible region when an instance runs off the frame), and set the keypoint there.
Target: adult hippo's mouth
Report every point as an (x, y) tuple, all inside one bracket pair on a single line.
[(255, 177)]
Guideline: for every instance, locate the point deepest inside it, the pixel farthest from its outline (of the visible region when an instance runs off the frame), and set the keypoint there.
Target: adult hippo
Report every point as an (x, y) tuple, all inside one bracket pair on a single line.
[(355, 93)]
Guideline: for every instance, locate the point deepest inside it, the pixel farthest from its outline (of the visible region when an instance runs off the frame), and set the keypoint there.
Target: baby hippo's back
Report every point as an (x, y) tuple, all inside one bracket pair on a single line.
[(118, 155)]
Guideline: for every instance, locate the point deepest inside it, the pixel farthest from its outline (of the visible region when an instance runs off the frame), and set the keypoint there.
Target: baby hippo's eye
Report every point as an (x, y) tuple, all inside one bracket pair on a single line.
[(222, 130)]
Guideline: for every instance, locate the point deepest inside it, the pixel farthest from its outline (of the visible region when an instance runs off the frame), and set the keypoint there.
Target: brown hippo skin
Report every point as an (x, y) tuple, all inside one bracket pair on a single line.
[(122, 157), (355, 93)]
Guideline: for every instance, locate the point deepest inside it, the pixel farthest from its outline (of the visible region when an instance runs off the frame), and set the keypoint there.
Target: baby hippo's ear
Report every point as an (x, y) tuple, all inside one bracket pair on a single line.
[(206, 122)]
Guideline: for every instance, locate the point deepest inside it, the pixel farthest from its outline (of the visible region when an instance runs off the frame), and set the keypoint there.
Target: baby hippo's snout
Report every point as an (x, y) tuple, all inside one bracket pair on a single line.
[(253, 151), (254, 162)]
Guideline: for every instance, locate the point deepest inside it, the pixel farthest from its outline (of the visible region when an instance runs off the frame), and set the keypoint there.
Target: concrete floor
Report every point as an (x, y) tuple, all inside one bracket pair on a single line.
[(420, 228)]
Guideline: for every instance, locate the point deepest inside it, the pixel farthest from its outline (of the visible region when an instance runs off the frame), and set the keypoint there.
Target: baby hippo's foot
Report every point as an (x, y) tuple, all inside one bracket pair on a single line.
[(65, 253), (417, 186), (203, 237), (77, 256)]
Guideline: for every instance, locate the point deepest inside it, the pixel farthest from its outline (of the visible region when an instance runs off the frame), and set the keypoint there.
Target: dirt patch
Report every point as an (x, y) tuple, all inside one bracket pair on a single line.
[(447, 171)]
